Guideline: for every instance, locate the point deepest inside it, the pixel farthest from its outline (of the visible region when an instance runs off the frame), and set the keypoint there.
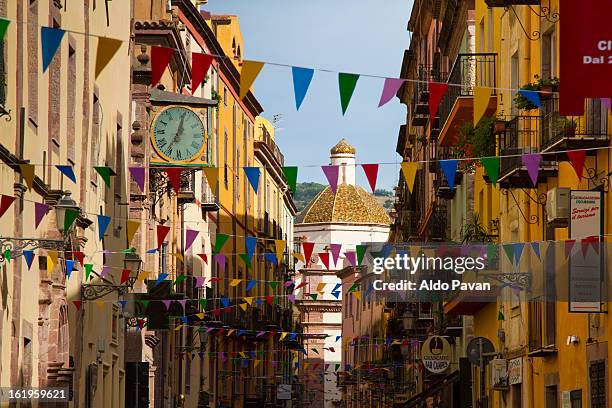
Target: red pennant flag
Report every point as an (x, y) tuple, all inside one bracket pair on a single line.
[(272, 333), (162, 231), (301, 285), (216, 312), (80, 256), (200, 63), (125, 274), (307, 248), (174, 175), (569, 245), (594, 241), (270, 300), (371, 172), (160, 58), (324, 257), (576, 159), (436, 93), (204, 258), (77, 304), (5, 203)]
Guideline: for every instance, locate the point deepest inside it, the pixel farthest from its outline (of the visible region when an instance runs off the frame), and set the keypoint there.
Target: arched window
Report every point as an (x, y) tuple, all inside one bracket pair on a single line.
[(63, 336)]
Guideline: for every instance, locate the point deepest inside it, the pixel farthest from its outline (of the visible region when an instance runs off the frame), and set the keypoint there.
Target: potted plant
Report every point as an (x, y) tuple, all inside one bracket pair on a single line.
[(545, 88), (499, 126), (569, 127)]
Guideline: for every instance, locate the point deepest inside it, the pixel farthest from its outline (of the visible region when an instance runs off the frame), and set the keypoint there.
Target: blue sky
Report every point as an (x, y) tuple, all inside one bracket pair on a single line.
[(342, 35)]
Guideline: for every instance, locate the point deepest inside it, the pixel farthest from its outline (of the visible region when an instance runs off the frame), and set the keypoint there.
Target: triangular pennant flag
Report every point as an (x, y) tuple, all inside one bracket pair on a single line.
[(409, 170), (199, 281), (249, 300), (500, 316), (138, 174), (491, 166), (307, 248), (28, 256), (331, 172), (313, 296), (324, 257), (174, 176), (249, 244), (351, 256), (437, 91), (125, 274), (132, 227), (204, 258), (298, 256), (105, 173), (50, 39), (321, 287), (252, 174), (4, 23), (449, 168), (80, 256), (335, 252), (361, 250), (103, 222), (273, 285), (532, 163), (531, 96), (301, 81), (509, 250), (220, 258), (371, 172), (69, 218), (200, 64), (27, 172), (235, 282), (52, 259), (88, 269), (346, 83), (212, 176), (160, 58), (221, 239), (40, 210), (569, 246), (243, 306), (535, 247), (290, 173), (67, 171), (5, 202), (107, 48), (250, 284), (248, 73), (246, 259), (576, 159), (167, 303), (190, 236), (162, 231), (518, 251), (77, 304), (390, 88), (354, 287), (481, 102), (279, 246), (203, 303)]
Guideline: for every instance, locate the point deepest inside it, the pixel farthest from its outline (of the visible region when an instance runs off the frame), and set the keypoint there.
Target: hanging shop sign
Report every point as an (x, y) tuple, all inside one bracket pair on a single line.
[(515, 371), (499, 373), (283, 392), (436, 354)]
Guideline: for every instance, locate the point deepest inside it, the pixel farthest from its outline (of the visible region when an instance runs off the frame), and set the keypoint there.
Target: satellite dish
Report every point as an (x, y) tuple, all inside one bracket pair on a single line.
[(480, 350)]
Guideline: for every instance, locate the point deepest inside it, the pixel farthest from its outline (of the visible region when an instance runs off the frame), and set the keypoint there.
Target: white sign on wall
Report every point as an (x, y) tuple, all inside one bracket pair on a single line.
[(515, 371), (283, 392)]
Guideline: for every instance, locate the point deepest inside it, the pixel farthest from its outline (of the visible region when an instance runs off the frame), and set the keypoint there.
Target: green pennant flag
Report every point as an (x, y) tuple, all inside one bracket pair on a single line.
[(4, 23), (313, 296), (128, 251), (179, 279), (145, 303), (314, 350), (491, 166), (360, 249), (500, 316), (88, 269), (347, 83), (7, 255), (275, 300), (105, 173), (246, 259), (337, 367), (354, 287), (69, 218), (509, 249), (219, 242), (290, 173), (273, 285), (203, 303)]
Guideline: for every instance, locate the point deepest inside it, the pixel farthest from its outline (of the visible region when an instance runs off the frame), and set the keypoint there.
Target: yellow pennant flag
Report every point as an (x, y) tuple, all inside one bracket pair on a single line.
[(280, 246), (283, 335), (178, 327), (100, 304), (481, 102), (235, 282), (306, 365), (298, 256), (143, 275), (249, 300), (132, 227), (107, 48), (321, 286), (51, 260), (256, 363), (409, 170), (243, 306), (27, 171), (212, 175), (229, 333), (200, 315), (357, 294), (242, 354), (178, 256), (248, 73)]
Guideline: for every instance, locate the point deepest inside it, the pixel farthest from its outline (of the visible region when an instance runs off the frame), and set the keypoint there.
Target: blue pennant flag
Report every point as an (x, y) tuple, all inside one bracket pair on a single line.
[(250, 284), (252, 174), (535, 246), (388, 341), (240, 332), (518, 251), (225, 301), (338, 338), (162, 277), (270, 258), (449, 167), (69, 267), (67, 171), (29, 257), (103, 222), (292, 336), (249, 243), (369, 290), (531, 96), (185, 319), (335, 293), (50, 39), (386, 250), (259, 301), (152, 251), (123, 303), (301, 81), (304, 351)]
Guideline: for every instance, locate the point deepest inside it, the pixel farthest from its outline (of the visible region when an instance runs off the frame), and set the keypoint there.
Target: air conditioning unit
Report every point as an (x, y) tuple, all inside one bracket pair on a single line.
[(558, 206)]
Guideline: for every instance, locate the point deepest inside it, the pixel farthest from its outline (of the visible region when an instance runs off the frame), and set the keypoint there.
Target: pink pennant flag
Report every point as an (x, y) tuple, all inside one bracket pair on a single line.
[(183, 302), (167, 303), (331, 172), (335, 251), (351, 256), (291, 298), (371, 172), (390, 88), (607, 103), (40, 210), (324, 257), (532, 163), (569, 245), (105, 271), (190, 236), (200, 281), (220, 258), (138, 174)]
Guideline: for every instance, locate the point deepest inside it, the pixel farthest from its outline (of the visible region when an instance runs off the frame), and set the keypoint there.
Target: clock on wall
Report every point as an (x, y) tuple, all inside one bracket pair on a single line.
[(178, 135)]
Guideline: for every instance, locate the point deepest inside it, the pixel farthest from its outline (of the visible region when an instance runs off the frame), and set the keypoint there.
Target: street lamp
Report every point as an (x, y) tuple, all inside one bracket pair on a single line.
[(133, 262), (64, 204)]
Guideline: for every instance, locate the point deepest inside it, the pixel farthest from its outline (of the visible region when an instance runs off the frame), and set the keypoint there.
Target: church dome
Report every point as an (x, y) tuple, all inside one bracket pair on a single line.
[(343, 147), (350, 204)]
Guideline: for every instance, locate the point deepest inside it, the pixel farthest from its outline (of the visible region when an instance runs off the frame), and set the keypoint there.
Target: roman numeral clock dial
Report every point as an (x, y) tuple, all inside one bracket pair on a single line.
[(178, 134)]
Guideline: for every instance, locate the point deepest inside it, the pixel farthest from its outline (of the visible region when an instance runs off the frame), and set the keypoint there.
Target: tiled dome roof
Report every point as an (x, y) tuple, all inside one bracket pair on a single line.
[(343, 147)]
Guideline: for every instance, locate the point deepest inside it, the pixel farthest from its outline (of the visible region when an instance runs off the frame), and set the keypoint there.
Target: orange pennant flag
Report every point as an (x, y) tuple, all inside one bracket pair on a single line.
[(212, 176), (243, 306), (27, 171), (235, 282), (107, 48), (248, 73), (409, 170), (280, 249), (132, 227)]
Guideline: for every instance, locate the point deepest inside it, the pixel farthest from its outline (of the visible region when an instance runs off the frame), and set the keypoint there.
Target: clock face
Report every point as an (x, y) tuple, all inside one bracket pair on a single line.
[(178, 134)]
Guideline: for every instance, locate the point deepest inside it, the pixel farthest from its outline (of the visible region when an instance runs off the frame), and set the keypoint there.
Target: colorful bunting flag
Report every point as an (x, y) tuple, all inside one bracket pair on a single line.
[(346, 83), (449, 168), (138, 174), (106, 173), (69, 267), (69, 219), (125, 274), (77, 304), (279, 246), (5, 202), (162, 231), (437, 90), (361, 250), (518, 251), (481, 102), (324, 257), (50, 39), (532, 163), (67, 171), (200, 64), (4, 23), (250, 284), (190, 236), (174, 176), (248, 73), (331, 172), (220, 258), (307, 248), (103, 222), (576, 159), (409, 170), (531, 96), (252, 174), (569, 246), (204, 258), (28, 256), (249, 244), (301, 81), (80, 256), (27, 172), (290, 173), (40, 210), (351, 256), (509, 250), (88, 269), (246, 259), (107, 48), (212, 176), (132, 228), (491, 166), (390, 88), (335, 251), (160, 58), (220, 241), (535, 247), (371, 172)]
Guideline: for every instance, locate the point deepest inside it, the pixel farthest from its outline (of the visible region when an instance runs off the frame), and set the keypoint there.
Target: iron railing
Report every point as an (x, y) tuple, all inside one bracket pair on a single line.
[(520, 137)]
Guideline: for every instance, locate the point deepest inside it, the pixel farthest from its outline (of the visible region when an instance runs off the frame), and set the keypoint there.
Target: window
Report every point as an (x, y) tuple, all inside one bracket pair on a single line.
[(115, 325), (597, 377), (576, 399), (535, 324), (225, 147), (225, 95), (549, 54), (551, 397)]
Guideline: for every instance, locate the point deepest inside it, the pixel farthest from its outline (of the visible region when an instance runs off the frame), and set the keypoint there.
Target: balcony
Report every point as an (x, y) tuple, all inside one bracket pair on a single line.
[(441, 186), (267, 143), (508, 3), (186, 192), (560, 133), (420, 99), (457, 106), (521, 137), (438, 223), (209, 202)]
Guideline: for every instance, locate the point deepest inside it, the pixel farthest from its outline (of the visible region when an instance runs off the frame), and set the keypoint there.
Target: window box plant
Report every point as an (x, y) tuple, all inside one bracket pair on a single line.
[(569, 127), (545, 87)]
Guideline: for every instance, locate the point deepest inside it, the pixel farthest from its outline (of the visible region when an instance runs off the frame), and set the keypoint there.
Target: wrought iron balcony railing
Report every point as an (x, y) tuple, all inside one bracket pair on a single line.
[(420, 98)]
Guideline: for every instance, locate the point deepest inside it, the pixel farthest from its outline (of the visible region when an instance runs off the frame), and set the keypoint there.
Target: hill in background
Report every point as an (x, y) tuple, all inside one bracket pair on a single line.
[(307, 191)]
